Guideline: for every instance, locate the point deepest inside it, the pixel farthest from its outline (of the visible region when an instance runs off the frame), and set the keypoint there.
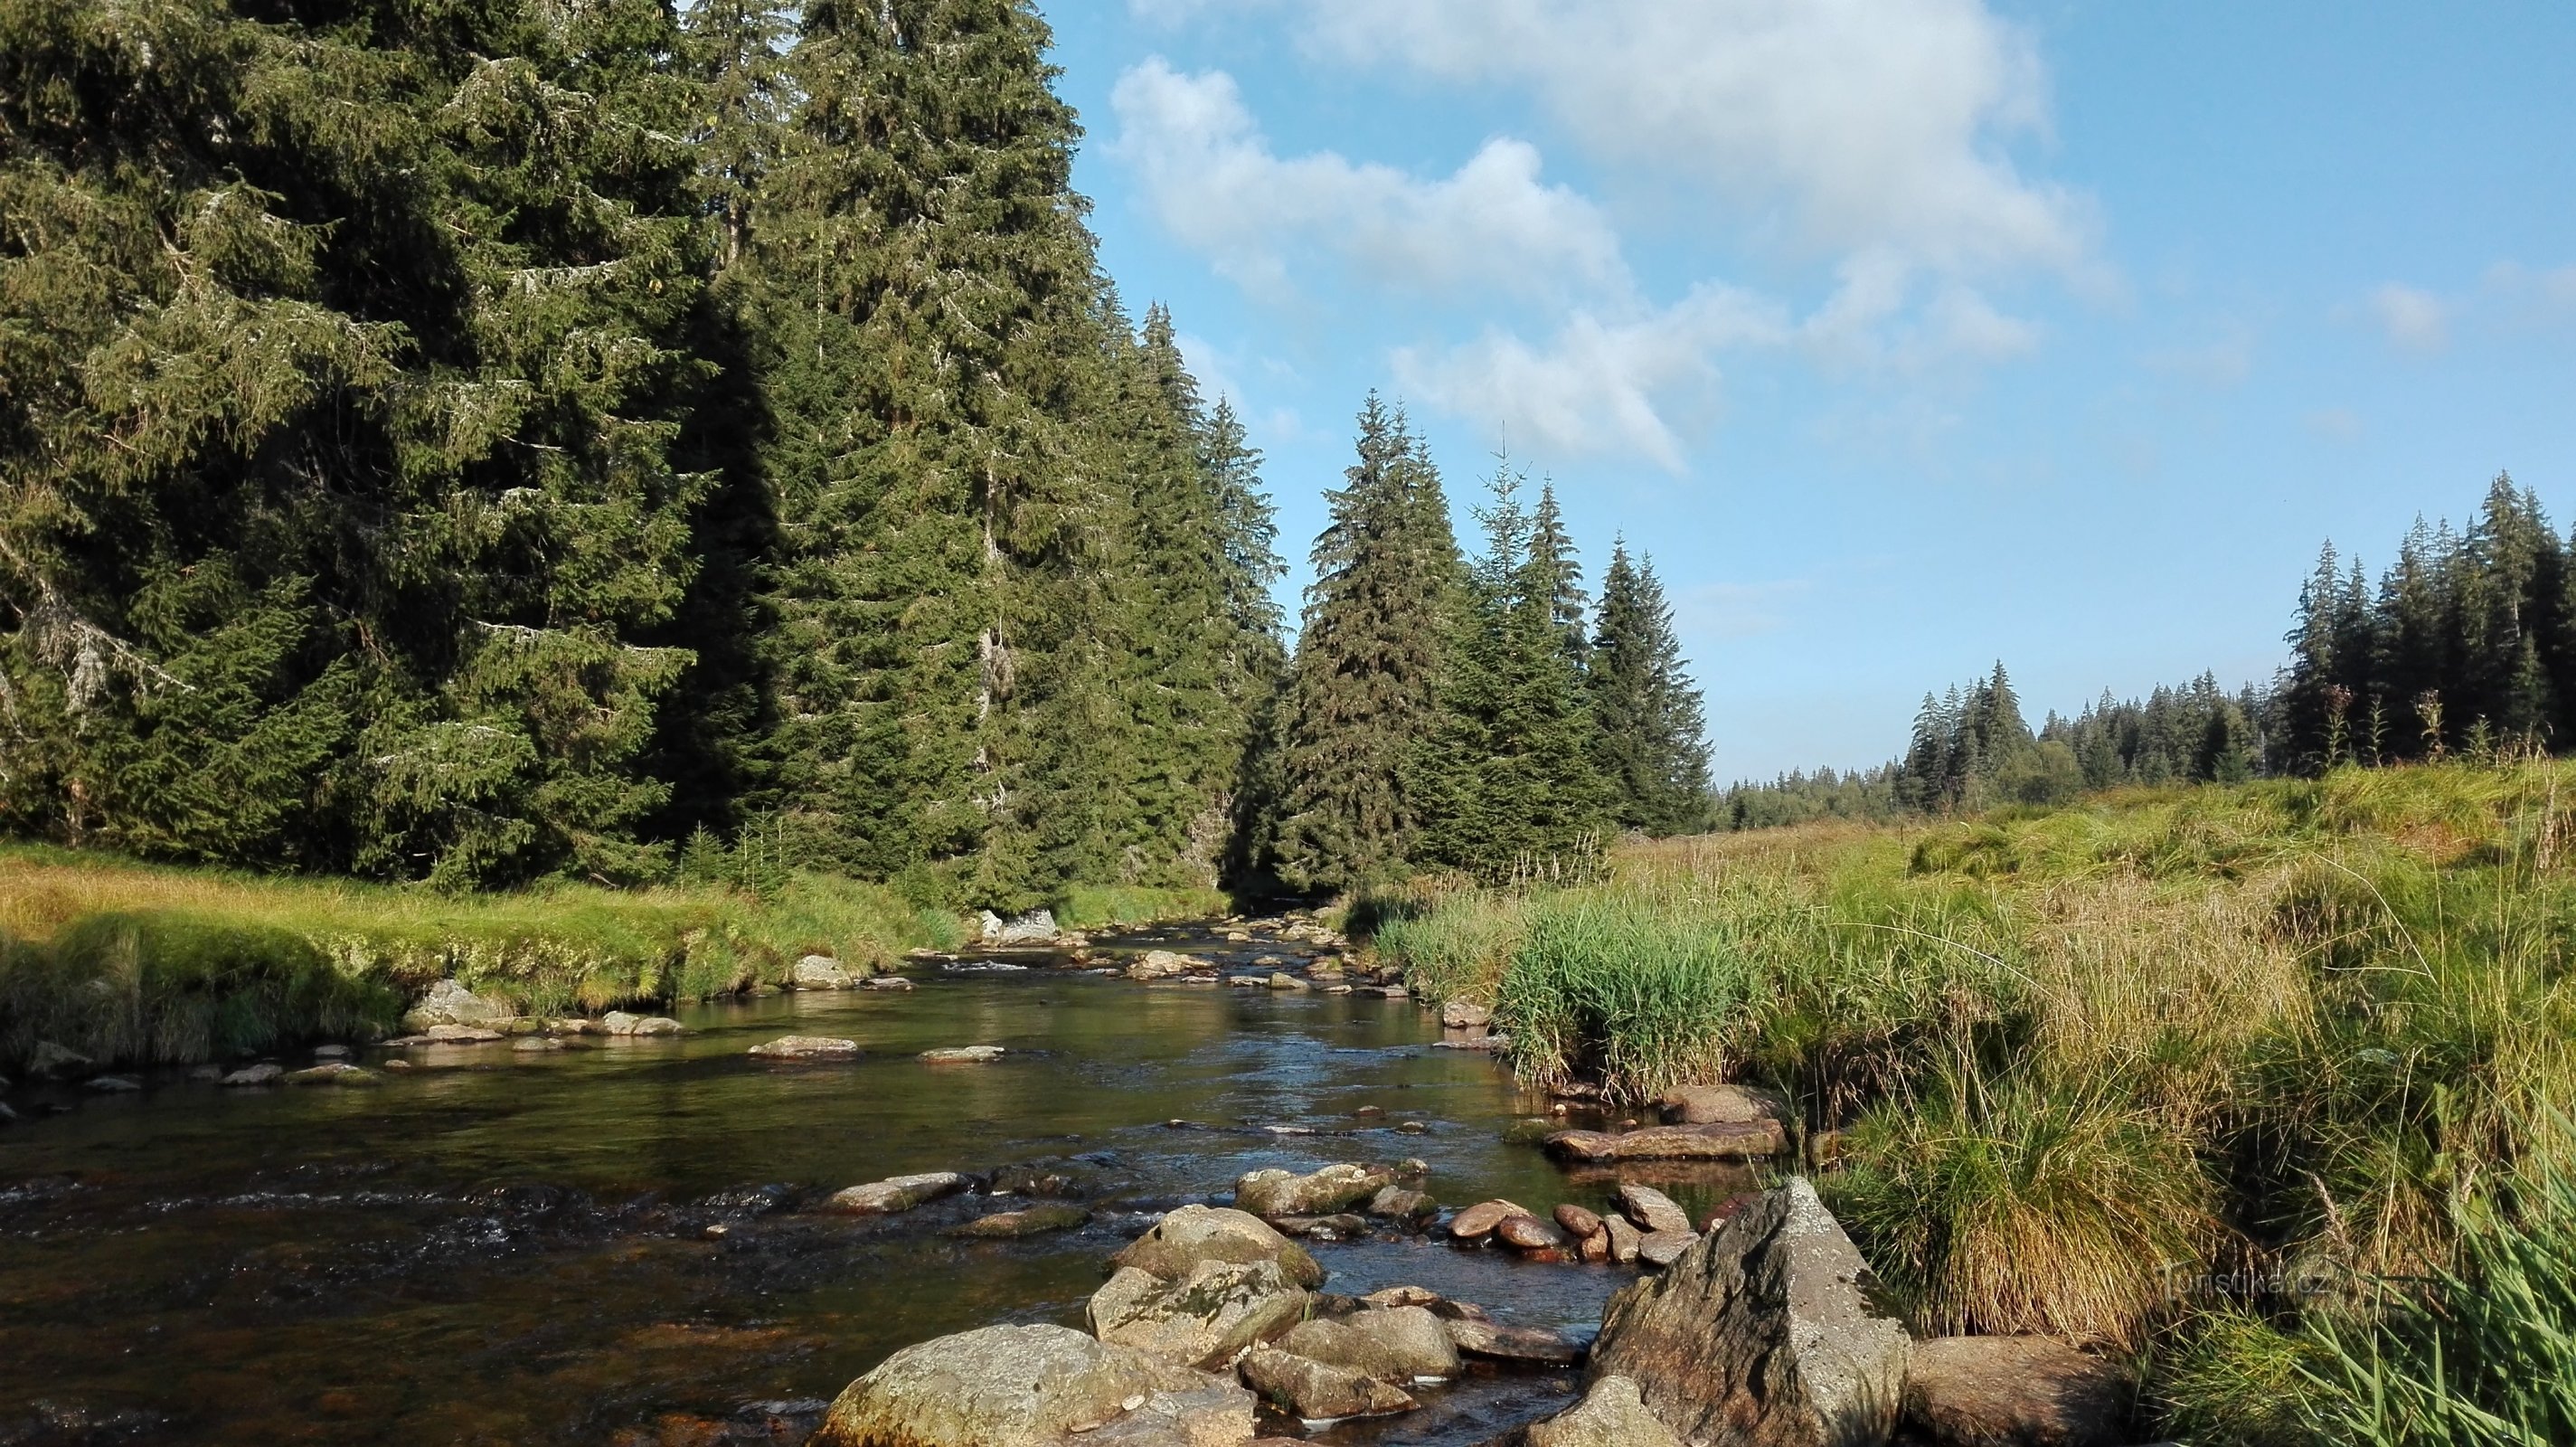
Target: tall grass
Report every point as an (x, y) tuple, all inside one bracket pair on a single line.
[(129, 962), (2165, 1032)]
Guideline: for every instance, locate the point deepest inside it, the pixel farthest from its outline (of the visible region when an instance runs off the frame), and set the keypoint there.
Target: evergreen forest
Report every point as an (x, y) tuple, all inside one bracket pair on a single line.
[(503, 442)]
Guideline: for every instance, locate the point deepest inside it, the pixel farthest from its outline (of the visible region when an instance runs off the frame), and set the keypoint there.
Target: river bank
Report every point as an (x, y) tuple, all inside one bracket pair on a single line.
[(2188, 1073), (128, 963)]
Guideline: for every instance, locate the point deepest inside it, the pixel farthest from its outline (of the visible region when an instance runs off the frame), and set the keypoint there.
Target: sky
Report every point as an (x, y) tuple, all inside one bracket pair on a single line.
[(1905, 336)]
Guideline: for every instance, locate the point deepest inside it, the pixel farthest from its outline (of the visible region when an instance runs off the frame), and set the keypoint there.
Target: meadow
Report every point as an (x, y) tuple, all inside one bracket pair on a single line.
[(2259, 1085), (132, 963)]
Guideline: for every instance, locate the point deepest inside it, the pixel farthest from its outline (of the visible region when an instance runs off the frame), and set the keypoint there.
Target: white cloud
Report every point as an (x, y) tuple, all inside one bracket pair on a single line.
[(2415, 321), (2552, 291), (1216, 185), (1868, 124), (1865, 134), (1599, 385)]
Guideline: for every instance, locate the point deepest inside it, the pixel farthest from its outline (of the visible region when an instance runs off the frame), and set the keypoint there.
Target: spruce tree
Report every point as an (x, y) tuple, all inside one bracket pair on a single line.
[(1364, 686), (940, 584), (1650, 745)]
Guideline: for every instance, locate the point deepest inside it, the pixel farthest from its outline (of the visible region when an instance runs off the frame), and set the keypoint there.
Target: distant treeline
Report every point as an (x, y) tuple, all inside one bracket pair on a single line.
[(2466, 646)]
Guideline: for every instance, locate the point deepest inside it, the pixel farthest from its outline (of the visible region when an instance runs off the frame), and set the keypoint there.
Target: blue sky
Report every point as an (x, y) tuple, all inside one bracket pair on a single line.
[(1904, 334)]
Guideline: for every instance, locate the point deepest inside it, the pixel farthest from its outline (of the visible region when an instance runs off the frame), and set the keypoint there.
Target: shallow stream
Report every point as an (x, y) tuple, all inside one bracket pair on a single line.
[(615, 1242)]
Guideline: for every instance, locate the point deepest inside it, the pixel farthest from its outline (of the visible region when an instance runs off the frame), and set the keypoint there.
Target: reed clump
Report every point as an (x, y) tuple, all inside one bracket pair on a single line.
[(2085, 1062)]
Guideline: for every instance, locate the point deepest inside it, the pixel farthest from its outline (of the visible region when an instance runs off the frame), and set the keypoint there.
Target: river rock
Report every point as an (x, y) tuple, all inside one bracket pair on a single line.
[(1202, 1320), (1663, 1248), (534, 1044), (898, 1193), (1652, 1210), (115, 1084), (1749, 1140), (1030, 1221), (1318, 1392), (1480, 1337), (618, 1022), (449, 1003), (885, 982), (1394, 1344), (1037, 927), (1610, 1415), (1722, 1105), (1479, 1220), (1216, 1414), (1404, 1204), (1024, 1386), (819, 972), (1340, 1226), (1275, 1193), (1192, 1234), (49, 1061), (1394, 1296), (1528, 1233), (964, 1055), (263, 1073), (1282, 980), (1465, 1014), (333, 1072), (330, 1052), (1625, 1239), (2013, 1391), (807, 1047), (1577, 1221), (461, 1035), (1158, 965), (1761, 1333)]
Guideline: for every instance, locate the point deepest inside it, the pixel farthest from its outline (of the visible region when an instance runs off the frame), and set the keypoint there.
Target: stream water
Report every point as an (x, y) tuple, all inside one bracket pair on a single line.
[(615, 1242)]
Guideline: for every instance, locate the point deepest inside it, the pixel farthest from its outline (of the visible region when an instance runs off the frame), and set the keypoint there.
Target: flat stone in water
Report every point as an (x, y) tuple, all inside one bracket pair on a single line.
[(807, 1047), (963, 1055)]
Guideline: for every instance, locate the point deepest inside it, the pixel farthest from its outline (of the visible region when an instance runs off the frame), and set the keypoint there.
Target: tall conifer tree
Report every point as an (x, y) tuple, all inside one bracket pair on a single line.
[(1364, 687), (1647, 712)]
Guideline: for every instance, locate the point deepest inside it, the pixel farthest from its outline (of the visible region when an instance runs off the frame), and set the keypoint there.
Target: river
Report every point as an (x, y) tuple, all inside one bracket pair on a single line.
[(614, 1242)]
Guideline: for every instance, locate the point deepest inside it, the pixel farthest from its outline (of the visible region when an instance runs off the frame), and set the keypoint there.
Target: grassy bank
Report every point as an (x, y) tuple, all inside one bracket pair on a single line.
[(2190, 1072), (136, 963)]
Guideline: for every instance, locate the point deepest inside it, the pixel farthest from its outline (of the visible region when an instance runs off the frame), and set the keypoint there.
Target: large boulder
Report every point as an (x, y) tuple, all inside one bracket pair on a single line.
[(1275, 1193), (1610, 1415), (1184, 1238), (449, 1003), (820, 972), (1760, 1334), (1401, 1344), (1158, 965), (1318, 1391), (898, 1193), (1465, 1015), (1032, 1386), (1203, 1320), (1740, 1141), (2013, 1391), (619, 1022), (1037, 927), (1722, 1105)]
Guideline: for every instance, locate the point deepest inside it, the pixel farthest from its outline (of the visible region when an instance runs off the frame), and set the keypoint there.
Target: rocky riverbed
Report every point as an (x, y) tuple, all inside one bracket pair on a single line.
[(628, 1236)]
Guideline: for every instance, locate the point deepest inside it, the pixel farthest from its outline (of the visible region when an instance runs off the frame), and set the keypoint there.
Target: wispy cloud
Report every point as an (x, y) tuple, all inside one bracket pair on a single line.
[(2413, 320)]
